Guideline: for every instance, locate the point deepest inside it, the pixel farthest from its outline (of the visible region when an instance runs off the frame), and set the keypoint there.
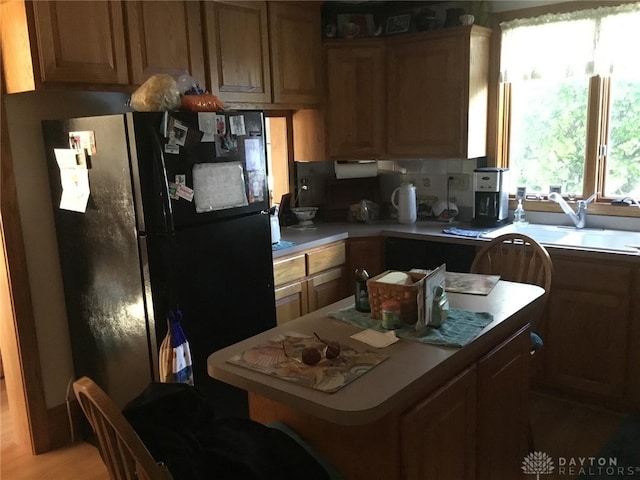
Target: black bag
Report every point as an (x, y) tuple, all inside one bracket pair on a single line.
[(179, 428)]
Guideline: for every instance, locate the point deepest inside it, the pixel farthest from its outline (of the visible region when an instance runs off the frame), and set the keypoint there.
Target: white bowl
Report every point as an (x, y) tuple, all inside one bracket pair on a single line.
[(305, 215)]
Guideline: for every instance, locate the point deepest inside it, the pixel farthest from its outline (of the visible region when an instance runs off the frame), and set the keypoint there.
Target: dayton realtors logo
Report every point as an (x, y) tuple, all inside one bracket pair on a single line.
[(539, 463)]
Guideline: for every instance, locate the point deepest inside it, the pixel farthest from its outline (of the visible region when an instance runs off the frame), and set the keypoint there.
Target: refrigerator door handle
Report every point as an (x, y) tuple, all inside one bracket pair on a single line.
[(160, 218), (162, 185)]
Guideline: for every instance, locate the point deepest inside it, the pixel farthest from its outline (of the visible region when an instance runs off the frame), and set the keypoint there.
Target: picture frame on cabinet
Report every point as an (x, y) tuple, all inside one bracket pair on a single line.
[(398, 24)]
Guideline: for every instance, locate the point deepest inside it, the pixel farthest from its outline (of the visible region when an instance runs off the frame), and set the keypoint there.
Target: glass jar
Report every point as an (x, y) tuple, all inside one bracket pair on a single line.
[(390, 310)]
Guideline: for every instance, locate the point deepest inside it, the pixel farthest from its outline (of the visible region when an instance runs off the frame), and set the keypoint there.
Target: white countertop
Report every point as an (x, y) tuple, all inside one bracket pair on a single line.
[(411, 371)]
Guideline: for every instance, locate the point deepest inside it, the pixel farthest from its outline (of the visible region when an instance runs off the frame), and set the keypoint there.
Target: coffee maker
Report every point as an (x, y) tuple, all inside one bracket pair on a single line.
[(491, 198)]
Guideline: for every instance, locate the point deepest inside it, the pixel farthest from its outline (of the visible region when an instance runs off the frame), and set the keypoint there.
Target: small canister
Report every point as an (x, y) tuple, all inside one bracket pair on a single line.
[(390, 310)]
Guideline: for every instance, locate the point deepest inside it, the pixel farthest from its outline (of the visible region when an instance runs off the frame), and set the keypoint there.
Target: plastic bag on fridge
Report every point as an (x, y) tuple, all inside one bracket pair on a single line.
[(175, 356)]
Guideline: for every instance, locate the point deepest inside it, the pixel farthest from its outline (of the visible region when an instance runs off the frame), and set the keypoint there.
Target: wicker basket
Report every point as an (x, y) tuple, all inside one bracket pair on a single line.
[(407, 295)]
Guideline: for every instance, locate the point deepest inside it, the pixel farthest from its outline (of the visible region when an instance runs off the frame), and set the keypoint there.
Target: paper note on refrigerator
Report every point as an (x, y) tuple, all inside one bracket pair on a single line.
[(74, 178)]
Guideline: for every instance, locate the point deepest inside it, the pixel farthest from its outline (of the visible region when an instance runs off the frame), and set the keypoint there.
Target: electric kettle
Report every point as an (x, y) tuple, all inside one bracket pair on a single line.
[(406, 202)]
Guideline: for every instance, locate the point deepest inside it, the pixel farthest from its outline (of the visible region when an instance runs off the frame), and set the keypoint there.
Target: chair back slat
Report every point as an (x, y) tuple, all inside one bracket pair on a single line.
[(517, 258), (122, 451)]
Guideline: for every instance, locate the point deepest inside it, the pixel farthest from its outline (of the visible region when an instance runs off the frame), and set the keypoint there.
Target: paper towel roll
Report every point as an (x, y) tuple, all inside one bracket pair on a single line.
[(356, 169)]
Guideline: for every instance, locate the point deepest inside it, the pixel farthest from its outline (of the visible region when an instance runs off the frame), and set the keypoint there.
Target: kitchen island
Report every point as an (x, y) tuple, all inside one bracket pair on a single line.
[(596, 279), (461, 412)]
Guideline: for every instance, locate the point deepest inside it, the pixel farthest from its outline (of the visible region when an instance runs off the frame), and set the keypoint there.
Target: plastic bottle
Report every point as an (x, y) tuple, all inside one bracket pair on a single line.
[(362, 294), (518, 214)]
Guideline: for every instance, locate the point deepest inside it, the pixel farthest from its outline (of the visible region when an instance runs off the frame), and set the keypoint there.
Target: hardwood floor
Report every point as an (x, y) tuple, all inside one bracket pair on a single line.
[(561, 428), (78, 461), (567, 429)]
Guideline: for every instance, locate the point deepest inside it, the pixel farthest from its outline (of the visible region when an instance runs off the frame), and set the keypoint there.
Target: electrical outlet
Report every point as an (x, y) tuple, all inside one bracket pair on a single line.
[(427, 182), (459, 181)]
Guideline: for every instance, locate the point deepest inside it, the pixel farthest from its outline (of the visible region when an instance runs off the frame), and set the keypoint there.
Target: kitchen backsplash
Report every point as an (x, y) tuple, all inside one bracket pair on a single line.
[(429, 176)]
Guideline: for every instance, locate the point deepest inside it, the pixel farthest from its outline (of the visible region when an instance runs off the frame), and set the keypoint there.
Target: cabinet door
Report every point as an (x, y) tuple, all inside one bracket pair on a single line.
[(588, 327), (355, 100), (438, 436), (291, 302), (289, 269), (237, 40), (81, 42), (150, 50), (503, 415), (326, 257), (426, 100), (633, 374), (326, 288), (367, 253), (295, 52), (437, 93)]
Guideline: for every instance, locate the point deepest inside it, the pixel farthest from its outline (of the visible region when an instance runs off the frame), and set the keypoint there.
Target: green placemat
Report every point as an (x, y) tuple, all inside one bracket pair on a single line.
[(458, 330)]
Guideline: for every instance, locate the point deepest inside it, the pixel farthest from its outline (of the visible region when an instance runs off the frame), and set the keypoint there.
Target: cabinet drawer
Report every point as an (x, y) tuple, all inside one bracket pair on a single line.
[(288, 270), (325, 258), (288, 290)]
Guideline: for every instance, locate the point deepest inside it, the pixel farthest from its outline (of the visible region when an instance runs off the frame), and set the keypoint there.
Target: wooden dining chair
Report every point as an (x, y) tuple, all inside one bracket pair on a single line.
[(121, 449), (519, 258)]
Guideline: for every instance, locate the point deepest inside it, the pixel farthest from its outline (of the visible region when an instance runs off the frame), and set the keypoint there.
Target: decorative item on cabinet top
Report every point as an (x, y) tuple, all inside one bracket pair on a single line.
[(373, 19)]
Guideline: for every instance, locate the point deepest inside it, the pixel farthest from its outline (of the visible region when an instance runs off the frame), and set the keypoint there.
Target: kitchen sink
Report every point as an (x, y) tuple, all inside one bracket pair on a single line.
[(592, 238)]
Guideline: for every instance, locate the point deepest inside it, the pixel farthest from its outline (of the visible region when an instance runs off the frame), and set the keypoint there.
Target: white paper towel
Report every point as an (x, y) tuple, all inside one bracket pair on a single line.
[(356, 169)]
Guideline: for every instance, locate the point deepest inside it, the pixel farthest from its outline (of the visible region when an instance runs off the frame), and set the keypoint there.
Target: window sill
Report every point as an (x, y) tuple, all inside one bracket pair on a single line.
[(631, 211)]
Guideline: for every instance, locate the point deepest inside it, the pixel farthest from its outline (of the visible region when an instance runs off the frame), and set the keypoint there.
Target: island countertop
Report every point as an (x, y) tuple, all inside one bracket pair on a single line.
[(412, 368)]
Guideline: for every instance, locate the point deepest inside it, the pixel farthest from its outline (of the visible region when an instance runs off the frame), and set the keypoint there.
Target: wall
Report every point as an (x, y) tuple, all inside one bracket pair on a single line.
[(24, 114), (429, 177)]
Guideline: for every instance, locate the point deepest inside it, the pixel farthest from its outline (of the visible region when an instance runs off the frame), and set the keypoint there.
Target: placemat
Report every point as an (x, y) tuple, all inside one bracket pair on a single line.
[(466, 232), (471, 283), (281, 244), (458, 330), (328, 375)]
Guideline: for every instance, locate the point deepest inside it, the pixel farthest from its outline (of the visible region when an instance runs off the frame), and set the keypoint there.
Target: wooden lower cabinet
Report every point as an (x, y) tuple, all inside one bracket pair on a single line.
[(438, 435), (326, 288), (308, 281), (472, 427), (299, 298), (291, 301), (590, 330), (503, 418)]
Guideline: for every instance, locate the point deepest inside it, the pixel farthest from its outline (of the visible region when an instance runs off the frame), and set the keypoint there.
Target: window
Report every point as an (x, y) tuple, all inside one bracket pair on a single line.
[(571, 89)]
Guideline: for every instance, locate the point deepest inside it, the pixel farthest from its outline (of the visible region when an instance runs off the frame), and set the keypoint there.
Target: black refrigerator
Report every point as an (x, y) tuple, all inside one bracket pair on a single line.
[(154, 212)]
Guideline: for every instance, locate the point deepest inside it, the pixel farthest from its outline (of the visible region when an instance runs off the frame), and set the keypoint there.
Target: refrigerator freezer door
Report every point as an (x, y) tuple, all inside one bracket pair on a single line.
[(209, 176)]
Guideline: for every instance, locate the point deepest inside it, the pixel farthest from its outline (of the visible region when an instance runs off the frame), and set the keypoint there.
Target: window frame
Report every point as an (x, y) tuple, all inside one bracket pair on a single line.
[(500, 95)]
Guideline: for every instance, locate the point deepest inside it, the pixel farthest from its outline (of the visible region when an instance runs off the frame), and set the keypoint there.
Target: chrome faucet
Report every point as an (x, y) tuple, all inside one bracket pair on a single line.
[(578, 218)]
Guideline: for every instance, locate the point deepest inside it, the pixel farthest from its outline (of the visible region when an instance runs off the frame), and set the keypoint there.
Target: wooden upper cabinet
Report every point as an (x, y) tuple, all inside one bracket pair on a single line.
[(238, 43), (49, 43), (164, 37), (437, 93), (355, 99), (294, 37)]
